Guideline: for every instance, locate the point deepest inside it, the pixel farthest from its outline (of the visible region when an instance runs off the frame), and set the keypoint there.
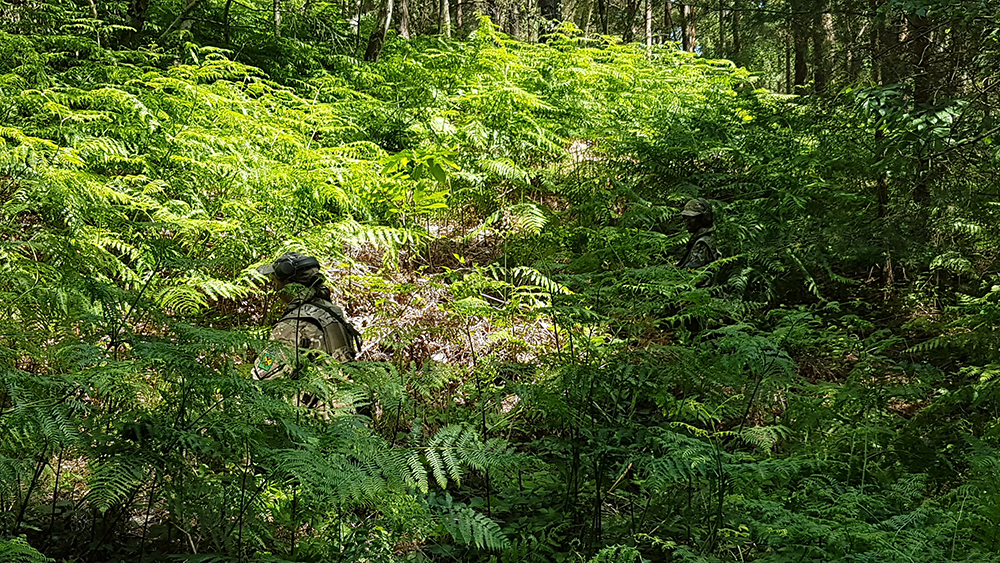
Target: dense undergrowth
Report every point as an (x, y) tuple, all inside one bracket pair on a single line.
[(540, 382)]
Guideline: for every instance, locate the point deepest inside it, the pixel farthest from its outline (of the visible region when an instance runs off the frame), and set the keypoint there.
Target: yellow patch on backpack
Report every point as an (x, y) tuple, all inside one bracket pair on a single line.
[(265, 362)]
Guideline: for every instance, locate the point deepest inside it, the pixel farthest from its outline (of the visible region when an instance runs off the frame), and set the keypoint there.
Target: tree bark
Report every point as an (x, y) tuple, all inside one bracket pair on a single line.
[(588, 15), (227, 32), (377, 39), (628, 32), (919, 31), (404, 19), (277, 19), (668, 20), (689, 39), (800, 43), (822, 50), (602, 16), (515, 21), (737, 31), (649, 28), (444, 27), (722, 30), (788, 62)]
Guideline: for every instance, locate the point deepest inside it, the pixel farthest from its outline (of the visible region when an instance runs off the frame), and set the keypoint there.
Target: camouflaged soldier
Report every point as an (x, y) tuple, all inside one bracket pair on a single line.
[(312, 329), (700, 222)]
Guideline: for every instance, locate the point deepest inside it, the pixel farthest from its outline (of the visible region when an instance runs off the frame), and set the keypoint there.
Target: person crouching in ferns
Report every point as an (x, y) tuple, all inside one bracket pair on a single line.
[(311, 331), (700, 222)]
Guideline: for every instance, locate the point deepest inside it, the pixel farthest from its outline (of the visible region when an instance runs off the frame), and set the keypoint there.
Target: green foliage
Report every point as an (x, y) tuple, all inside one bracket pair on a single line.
[(17, 550), (826, 391)]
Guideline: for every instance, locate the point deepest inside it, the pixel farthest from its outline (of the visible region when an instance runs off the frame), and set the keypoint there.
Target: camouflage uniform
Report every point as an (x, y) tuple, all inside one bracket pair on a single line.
[(312, 330), (700, 250), (311, 325)]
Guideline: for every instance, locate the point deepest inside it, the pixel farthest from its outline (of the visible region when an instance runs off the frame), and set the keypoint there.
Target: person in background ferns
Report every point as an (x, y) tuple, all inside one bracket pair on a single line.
[(700, 222), (311, 327)]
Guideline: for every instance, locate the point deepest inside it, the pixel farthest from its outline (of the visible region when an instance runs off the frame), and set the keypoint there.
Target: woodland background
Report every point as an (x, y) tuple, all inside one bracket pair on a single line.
[(494, 188)]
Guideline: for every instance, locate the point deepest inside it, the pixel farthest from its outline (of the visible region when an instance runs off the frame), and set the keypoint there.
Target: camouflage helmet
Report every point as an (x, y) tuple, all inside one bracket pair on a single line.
[(697, 207), (292, 267)]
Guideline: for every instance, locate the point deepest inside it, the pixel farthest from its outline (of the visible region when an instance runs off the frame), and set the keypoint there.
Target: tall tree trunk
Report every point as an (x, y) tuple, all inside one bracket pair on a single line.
[(444, 26), (357, 23), (404, 19), (628, 32), (277, 18), (737, 31), (226, 33), (649, 27), (919, 32), (531, 8), (822, 49), (668, 20), (515, 21), (855, 42), (800, 42), (689, 38), (877, 34), (602, 15), (788, 62), (377, 39), (588, 16), (722, 30)]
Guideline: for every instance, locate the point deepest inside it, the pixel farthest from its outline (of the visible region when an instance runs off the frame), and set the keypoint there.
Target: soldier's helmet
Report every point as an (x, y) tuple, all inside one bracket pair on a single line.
[(292, 267), (697, 207)]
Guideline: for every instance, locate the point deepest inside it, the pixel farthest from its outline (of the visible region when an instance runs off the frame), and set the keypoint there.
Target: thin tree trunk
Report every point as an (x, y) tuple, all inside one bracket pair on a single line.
[(357, 23), (588, 15), (788, 62), (919, 31), (689, 39), (881, 181), (722, 30), (737, 31), (377, 39), (602, 15), (822, 50), (649, 28), (404, 19), (628, 32), (800, 43), (515, 21), (277, 19), (444, 27), (531, 8), (668, 20), (226, 32)]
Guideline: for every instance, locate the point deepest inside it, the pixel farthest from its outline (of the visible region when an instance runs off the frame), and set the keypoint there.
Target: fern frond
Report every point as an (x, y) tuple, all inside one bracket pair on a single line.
[(469, 527)]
